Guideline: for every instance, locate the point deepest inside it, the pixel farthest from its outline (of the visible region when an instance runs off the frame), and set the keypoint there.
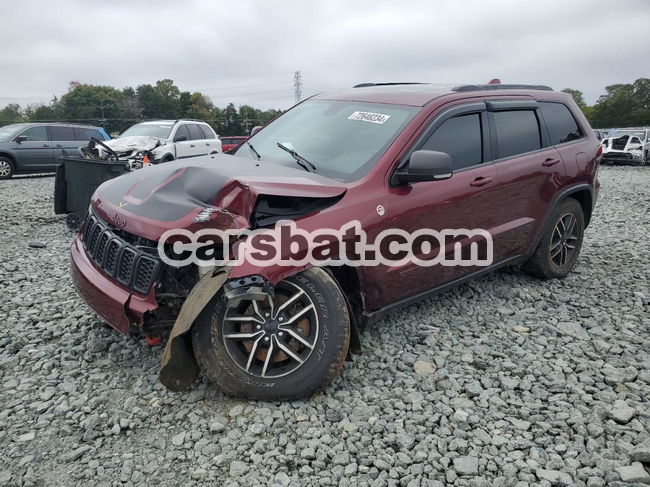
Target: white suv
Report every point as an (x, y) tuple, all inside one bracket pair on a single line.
[(162, 140)]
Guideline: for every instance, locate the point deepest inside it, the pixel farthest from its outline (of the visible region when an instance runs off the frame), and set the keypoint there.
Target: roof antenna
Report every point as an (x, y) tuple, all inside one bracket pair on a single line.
[(495, 81)]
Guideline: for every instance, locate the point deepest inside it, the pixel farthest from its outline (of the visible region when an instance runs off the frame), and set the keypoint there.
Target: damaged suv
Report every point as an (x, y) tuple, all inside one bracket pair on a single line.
[(631, 146), (157, 141), (518, 161)]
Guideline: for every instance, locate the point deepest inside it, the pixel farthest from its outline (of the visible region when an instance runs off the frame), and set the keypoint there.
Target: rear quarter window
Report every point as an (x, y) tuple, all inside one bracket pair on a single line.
[(208, 133), (517, 132), (561, 124), (84, 134)]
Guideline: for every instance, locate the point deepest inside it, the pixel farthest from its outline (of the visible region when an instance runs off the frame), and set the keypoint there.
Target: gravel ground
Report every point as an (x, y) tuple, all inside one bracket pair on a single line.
[(507, 381)]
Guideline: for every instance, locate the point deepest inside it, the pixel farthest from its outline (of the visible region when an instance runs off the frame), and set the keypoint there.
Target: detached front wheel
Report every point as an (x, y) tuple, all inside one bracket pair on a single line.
[(282, 347)]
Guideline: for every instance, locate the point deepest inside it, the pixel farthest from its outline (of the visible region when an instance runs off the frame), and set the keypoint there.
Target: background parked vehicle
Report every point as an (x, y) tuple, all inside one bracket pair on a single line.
[(230, 142), (35, 147), (159, 141), (630, 145)]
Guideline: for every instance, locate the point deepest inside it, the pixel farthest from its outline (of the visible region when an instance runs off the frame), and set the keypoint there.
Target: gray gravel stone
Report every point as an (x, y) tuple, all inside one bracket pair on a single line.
[(640, 454), (621, 412), (466, 465), (555, 477), (634, 473)]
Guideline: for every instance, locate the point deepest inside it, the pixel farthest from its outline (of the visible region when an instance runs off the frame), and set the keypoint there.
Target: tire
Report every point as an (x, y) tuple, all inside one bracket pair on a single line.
[(73, 221), (320, 339), (7, 168), (550, 261)]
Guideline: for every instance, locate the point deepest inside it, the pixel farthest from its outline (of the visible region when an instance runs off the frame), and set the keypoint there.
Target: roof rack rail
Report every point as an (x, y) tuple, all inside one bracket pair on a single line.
[(500, 87), (366, 85)]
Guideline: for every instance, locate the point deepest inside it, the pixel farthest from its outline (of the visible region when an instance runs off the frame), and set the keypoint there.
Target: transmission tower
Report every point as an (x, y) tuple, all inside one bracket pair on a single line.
[(297, 86)]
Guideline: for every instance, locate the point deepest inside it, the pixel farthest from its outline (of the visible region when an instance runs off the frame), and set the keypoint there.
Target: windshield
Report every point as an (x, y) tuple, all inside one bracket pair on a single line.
[(9, 131), (342, 139), (161, 131)]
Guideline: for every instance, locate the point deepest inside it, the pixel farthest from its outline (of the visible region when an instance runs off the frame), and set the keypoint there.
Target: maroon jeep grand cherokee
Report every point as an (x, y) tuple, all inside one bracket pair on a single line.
[(518, 161)]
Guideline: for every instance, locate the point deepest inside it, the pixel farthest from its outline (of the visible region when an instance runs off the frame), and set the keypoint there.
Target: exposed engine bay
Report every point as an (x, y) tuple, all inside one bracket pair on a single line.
[(137, 150)]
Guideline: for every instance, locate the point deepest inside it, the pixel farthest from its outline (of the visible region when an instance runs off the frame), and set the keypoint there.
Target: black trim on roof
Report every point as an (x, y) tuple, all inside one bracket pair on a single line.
[(366, 85), (500, 87)]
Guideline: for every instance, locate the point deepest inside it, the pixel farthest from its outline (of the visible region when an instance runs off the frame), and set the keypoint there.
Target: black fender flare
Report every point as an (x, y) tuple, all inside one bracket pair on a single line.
[(558, 199)]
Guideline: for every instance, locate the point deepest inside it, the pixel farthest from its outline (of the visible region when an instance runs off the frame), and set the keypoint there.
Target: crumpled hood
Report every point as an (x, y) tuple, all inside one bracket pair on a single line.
[(133, 142), (154, 199)]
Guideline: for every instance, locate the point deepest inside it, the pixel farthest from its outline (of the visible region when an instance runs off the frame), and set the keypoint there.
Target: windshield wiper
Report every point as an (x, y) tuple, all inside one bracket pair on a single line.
[(255, 153), (302, 162)]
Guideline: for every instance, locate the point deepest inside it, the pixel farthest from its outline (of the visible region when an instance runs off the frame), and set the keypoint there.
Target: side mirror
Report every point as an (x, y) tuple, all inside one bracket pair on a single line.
[(256, 129), (20, 138), (426, 165), (180, 138)]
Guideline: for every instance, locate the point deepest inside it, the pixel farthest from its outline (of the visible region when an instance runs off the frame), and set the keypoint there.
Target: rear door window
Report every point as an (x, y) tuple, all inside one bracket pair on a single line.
[(62, 133), (517, 132), (195, 132), (460, 137), (35, 134), (561, 124)]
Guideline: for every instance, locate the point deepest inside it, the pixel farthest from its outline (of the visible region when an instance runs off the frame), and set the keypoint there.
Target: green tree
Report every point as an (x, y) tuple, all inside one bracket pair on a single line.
[(200, 107), (12, 113), (94, 104), (623, 105)]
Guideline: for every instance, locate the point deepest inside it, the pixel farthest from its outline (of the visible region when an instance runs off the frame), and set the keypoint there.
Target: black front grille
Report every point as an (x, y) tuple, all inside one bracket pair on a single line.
[(130, 265)]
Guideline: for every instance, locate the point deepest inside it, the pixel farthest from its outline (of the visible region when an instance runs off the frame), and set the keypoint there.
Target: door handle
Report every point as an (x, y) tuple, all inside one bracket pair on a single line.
[(481, 181), (550, 162), (59, 145), (192, 145), (45, 145), (208, 144)]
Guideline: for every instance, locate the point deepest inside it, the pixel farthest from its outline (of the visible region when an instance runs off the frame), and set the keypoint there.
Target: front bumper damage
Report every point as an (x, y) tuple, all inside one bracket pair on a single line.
[(117, 305), (137, 150)]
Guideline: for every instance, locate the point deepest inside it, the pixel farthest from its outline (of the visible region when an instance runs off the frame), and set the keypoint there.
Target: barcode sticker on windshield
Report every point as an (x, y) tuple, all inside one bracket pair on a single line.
[(369, 117)]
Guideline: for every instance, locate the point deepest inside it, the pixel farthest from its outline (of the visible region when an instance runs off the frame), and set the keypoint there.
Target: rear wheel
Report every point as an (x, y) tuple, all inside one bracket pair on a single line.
[(286, 346), (7, 168), (557, 252)]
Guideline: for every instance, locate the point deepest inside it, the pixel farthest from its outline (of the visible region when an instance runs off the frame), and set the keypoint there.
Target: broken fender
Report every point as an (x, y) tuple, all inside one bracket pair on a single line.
[(178, 368)]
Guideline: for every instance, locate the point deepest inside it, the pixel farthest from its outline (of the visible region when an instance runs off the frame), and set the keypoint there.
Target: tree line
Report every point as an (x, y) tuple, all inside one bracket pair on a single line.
[(116, 110), (622, 105)]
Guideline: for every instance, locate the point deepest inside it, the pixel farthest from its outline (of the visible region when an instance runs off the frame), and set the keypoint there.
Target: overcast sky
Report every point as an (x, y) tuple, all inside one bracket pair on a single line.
[(247, 51)]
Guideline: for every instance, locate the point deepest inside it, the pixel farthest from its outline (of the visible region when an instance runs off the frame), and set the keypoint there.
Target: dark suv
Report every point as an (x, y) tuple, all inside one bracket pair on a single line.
[(518, 161), (35, 147)]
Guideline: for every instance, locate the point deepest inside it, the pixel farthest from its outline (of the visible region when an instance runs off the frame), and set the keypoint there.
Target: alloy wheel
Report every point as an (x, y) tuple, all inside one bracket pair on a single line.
[(564, 240), (5, 169), (274, 337)]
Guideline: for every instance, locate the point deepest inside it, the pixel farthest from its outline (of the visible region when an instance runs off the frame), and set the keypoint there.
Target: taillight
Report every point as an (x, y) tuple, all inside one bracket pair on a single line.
[(599, 152)]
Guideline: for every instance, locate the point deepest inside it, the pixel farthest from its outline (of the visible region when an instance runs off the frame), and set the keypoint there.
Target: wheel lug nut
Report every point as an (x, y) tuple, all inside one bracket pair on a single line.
[(267, 314), (266, 339), (281, 318), (259, 327), (280, 333)]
